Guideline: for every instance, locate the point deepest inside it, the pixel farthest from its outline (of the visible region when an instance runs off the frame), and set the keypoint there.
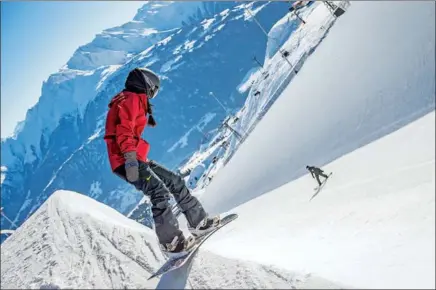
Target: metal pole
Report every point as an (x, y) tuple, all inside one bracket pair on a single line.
[(257, 22), (263, 30), (201, 131), (225, 109), (296, 14), (330, 7), (236, 133), (299, 17), (12, 223), (255, 59)]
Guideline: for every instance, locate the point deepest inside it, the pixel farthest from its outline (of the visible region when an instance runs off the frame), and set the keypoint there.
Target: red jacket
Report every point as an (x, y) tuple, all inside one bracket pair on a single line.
[(125, 121)]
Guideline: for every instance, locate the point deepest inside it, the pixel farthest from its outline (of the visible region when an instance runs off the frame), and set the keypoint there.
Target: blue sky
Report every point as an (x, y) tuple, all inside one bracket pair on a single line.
[(38, 38)]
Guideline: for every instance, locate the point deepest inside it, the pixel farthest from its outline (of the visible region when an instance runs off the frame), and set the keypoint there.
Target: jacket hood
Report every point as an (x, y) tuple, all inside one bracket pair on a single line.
[(143, 80), (136, 83)]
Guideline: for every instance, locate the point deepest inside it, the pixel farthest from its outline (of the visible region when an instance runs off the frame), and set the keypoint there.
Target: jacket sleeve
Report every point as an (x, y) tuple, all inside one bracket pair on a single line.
[(311, 172), (128, 112)]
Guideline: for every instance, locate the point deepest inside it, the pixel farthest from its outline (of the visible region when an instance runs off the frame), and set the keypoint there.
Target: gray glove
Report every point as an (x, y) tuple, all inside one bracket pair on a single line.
[(131, 165)]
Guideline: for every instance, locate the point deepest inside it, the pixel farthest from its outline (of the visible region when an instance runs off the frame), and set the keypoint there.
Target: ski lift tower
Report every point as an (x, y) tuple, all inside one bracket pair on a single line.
[(334, 9), (258, 63), (283, 53), (221, 104), (264, 72), (226, 124), (295, 6)]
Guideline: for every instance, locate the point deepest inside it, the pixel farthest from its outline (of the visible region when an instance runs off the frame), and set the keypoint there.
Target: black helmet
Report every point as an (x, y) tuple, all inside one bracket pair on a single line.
[(152, 81), (143, 80)]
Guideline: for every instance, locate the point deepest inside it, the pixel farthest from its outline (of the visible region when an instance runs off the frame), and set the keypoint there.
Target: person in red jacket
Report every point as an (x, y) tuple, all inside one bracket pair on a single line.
[(127, 151)]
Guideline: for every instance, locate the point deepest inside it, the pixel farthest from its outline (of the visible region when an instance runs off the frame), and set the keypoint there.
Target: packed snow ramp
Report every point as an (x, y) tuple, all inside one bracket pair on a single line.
[(73, 241)]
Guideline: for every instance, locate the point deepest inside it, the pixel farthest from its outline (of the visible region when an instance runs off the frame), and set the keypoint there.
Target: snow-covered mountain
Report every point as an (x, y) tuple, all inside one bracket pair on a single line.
[(59, 145)]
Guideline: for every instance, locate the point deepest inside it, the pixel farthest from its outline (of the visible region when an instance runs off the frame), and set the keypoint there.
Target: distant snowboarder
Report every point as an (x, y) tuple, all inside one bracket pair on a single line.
[(316, 172), (127, 151)]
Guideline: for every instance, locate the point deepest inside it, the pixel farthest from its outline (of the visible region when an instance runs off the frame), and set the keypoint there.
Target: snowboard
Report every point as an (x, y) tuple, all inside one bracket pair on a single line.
[(318, 188), (174, 263), (324, 182)]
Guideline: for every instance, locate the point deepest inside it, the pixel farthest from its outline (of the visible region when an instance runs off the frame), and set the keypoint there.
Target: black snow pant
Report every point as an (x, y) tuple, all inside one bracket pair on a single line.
[(157, 182), (317, 175)]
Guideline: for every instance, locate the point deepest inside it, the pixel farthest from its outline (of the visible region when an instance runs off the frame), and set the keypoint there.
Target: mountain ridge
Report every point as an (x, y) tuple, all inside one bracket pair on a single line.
[(60, 146)]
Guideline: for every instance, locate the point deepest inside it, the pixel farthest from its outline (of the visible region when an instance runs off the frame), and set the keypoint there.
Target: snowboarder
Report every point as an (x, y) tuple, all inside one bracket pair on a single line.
[(127, 151), (316, 172)]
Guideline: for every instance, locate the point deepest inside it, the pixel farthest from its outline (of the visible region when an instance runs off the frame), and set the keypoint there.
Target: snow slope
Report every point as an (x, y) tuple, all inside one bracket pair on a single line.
[(371, 226), (373, 223), (266, 85), (371, 75), (75, 242)]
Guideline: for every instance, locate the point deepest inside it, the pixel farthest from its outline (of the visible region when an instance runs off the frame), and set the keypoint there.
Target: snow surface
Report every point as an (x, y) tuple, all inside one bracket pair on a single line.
[(74, 242), (163, 15), (221, 26), (371, 226), (208, 37), (224, 13), (373, 223), (95, 189), (362, 82), (248, 80), (281, 31), (27, 203), (366, 81), (188, 45), (3, 171), (207, 23), (169, 64)]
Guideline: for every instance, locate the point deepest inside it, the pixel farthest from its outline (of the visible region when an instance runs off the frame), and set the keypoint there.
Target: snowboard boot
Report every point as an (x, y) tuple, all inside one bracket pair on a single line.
[(205, 226), (178, 246)]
